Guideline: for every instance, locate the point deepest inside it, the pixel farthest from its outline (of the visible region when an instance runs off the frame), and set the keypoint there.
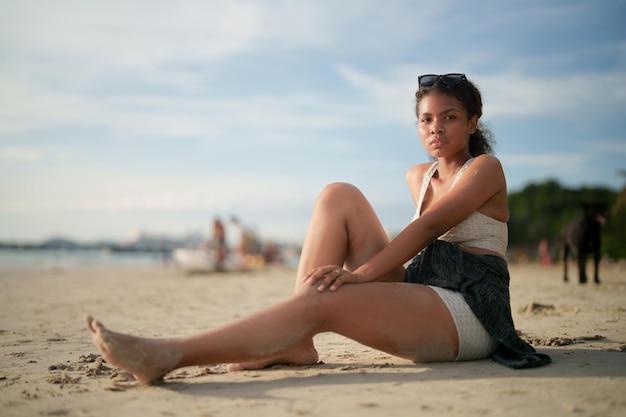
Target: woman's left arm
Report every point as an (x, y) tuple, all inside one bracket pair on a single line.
[(480, 187)]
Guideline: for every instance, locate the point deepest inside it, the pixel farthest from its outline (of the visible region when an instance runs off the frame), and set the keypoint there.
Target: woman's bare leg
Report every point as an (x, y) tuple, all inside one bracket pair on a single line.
[(344, 230), (406, 320)]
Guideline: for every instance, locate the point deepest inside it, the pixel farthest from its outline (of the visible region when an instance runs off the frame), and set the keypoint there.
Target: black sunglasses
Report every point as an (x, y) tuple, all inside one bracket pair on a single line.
[(449, 80)]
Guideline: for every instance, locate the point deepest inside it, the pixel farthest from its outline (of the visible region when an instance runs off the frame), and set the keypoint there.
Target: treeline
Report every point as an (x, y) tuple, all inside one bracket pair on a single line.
[(540, 211)]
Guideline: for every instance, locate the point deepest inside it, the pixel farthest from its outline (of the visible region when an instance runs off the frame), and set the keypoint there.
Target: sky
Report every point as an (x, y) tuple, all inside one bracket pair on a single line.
[(160, 115)]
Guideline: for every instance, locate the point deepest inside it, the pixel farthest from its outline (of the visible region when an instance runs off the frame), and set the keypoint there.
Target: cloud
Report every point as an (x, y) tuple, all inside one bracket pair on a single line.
[(388, 96), (112, 190), (166, 117), (613, 148), (80, 42), (19, 154), (31, 154), (131, 35), (27, 107), (507, 93), (560, 160), (161, 42), (148, 108), (567, 96)]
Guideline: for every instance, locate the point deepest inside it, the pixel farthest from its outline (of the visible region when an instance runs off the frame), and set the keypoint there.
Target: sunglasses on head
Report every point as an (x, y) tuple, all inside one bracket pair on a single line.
[(449, 80)]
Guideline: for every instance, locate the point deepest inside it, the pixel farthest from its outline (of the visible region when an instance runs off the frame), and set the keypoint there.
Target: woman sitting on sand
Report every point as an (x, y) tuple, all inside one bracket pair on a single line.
[(451, 303)]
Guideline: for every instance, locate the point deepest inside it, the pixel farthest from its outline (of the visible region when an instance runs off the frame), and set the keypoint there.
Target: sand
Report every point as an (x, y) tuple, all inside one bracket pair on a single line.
[(49, 367)]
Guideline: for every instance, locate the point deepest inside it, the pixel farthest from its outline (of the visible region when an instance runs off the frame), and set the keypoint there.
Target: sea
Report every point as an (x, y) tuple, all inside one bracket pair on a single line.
[(11, 259)]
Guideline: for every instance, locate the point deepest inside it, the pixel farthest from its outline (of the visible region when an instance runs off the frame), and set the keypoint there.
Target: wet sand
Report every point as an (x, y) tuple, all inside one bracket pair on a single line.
[(49, 367)]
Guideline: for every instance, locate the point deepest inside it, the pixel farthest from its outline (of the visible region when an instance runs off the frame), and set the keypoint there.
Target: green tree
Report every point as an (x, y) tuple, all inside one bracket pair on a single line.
[(541, 211), (615, 231)]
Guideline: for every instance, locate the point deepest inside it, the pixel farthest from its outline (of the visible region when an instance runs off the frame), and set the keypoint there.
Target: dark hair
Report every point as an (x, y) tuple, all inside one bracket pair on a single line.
[(482, 140)]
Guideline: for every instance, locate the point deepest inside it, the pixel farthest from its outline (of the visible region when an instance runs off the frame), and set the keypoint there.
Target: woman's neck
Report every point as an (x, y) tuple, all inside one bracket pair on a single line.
[(448, 167)]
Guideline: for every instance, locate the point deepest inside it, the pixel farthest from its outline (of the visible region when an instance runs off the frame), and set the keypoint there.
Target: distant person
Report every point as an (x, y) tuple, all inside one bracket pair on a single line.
[(249, 247), (219, 242), (450, 304), (545, 257), (271, 254), (242, 245)]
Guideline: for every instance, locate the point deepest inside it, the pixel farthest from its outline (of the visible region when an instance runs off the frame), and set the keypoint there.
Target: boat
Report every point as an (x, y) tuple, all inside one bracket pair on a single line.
[(201, 260)]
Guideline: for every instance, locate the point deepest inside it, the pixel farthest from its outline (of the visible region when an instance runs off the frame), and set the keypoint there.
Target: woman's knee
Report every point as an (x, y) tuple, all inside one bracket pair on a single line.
[(311, 304), (340, 190), (341, 195)]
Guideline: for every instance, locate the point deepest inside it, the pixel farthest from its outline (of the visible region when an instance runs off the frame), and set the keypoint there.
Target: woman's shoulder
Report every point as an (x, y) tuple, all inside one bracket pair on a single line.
[(487, 160), (416, 172), (486, 166)]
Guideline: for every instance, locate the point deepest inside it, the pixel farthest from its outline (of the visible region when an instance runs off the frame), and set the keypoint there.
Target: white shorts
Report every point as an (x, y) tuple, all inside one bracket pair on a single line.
[(474, 341)]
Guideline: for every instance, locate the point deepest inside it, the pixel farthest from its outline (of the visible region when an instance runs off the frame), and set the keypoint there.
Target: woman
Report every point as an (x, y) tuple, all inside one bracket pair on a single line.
[(451, 303)]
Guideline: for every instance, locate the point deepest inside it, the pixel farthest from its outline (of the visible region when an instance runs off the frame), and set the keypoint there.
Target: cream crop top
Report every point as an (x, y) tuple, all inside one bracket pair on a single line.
[(477, 230)]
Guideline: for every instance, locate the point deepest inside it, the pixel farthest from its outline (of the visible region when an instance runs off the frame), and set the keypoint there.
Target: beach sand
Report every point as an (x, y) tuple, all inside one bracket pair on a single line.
[(49, 367)]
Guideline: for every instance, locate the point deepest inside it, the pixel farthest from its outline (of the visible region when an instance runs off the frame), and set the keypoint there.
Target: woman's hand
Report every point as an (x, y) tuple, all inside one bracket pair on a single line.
[(331, 277)]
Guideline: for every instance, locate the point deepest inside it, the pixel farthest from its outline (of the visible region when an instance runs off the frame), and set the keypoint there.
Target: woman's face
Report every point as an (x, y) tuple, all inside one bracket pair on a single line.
[(443, 125)]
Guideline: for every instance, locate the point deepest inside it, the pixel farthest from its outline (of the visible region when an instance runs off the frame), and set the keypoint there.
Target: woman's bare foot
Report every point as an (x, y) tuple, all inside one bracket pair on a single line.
[(147, 359), (301, 355)]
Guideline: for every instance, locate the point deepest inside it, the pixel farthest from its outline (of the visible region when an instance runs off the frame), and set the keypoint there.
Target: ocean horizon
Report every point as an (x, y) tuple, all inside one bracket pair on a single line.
[(68, 258)]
